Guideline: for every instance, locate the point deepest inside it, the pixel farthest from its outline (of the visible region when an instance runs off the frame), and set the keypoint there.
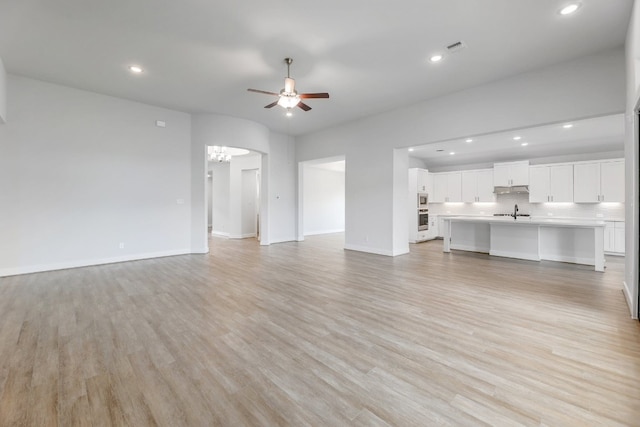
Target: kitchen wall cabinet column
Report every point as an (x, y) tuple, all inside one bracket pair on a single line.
[(599, 182), (511, 173), (477, 186), (551, 183), (447, 187)]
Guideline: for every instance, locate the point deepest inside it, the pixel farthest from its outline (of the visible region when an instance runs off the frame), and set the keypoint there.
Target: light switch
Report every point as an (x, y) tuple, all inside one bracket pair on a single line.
[(161, 123)]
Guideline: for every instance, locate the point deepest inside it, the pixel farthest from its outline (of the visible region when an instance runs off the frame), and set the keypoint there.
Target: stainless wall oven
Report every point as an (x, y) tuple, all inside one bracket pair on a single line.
[(423, 219)]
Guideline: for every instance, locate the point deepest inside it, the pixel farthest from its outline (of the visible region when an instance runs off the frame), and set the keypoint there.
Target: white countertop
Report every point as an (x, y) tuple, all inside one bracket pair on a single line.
[(507, 220)]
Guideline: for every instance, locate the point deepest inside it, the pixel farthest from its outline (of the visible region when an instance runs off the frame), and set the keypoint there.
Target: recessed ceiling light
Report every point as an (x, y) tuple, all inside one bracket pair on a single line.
[(411, 149), (289, 113), (517, 138), (524, 144), (135, 69), (568, 125), (436, 58), (468, 140), (451, 153), (569, 9)]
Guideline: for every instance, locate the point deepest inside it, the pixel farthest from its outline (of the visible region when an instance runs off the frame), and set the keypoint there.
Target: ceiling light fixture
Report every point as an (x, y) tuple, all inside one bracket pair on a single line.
[(411, 149), (289, 113), (436, 58), (569, 9), (517, 138), (568, 125), (524, 144), (218, 154), (135, 69), (468, 140), (451, 153)]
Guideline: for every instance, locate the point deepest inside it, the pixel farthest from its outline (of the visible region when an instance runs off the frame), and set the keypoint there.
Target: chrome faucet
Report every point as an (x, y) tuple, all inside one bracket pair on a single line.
[(515, 211)]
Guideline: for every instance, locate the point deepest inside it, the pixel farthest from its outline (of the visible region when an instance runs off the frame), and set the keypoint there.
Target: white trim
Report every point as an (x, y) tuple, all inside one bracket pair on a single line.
[(87, 263), (627, 296), (517, 255), (375, 250), (242, 236), (469, 248), (571, 259), (220, 233), (315, 233)]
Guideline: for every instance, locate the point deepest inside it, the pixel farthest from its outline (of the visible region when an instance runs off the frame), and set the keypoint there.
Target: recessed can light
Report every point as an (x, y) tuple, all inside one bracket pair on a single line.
[(436, 58), (468, 140), (135, 69), (411, 149), (568, 125), (524, 144), (451, 153), (517, 138), (569, 9)]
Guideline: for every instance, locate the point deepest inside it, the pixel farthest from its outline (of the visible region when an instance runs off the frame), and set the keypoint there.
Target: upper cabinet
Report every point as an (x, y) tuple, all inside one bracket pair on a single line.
[(418, 180), (601, 181), (447, 187), (477, 186), (511, 173), (551, 183)]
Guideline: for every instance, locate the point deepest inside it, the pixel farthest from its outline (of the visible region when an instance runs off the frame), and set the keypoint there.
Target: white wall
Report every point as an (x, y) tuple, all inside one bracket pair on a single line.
[(249, 204), (631, 160), (236, 168), (81, 173), (585, 87), (3, 93), (220, 187), (281, 193), (323, 201)]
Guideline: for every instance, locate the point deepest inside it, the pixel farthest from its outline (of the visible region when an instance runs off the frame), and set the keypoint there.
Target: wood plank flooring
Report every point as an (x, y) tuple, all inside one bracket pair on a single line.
[(308, 334)]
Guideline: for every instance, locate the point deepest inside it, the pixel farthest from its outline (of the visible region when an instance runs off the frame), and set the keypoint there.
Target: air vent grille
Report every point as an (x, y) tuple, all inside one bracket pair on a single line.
[(457, 46)]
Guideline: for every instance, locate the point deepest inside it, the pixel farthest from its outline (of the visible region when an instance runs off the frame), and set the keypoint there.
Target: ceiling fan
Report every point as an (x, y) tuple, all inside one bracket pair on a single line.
[(288, 98)]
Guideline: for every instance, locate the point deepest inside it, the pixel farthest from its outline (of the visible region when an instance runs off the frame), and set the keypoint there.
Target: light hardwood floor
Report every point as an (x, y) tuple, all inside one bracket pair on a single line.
[(309, 334)]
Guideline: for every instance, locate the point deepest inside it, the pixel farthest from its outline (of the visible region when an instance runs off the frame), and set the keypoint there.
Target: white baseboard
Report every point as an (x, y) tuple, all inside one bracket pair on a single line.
[(628, 296), (87, 263), (376, 250), (220, 234), (570, 259), (469, 248), (516, 255), (242, 236), (315, 233)]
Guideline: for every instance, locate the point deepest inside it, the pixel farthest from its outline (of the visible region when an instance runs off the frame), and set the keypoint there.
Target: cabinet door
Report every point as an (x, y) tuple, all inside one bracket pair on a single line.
[(439, 188), (612, 182), (586, 182), (485, 186), (618, 245), (422, 180), (469, 187), (561, 183), (519, 174), (538, 184), (454, 187), (609, 236), (501, 175)]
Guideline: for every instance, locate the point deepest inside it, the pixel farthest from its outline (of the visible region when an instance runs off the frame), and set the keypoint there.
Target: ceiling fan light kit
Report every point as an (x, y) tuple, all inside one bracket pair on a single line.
[(288, 98)]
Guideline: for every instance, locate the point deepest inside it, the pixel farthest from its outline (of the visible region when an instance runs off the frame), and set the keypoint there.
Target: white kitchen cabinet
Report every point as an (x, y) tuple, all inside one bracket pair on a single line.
[(511, 173), (477, 186), (614, 237), (418, 180), (551, 183), (595, 182), (418, 183), (447, 187)]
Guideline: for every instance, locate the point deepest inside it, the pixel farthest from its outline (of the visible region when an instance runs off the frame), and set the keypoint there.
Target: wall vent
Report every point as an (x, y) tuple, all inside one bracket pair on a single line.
[(457, 46)]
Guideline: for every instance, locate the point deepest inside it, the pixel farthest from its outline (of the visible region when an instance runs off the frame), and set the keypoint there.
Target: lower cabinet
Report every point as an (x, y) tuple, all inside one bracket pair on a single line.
[(614, 237)]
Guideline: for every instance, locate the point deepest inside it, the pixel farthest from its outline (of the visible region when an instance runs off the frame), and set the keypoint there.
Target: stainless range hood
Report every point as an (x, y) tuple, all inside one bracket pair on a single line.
[(516, 189)]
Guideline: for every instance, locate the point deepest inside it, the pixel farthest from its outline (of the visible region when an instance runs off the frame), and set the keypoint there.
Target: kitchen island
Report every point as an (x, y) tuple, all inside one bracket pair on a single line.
[(574, 241)]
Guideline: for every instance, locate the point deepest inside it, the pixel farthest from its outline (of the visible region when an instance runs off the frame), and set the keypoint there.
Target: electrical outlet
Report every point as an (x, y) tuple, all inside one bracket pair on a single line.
[(121, 245)]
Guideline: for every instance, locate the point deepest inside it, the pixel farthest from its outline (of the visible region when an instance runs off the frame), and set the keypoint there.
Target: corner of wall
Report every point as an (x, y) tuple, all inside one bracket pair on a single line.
[(3, 93)]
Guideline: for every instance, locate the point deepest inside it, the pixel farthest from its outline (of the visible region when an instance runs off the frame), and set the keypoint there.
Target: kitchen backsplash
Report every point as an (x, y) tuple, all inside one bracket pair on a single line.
[(506, 202)]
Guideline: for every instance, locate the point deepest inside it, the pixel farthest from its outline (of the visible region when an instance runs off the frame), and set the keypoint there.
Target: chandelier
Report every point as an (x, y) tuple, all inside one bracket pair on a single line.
[(218, 154)]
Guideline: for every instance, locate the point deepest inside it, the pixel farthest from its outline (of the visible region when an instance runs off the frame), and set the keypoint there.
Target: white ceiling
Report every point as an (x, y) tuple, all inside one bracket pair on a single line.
[(594, 135), (370, 55)]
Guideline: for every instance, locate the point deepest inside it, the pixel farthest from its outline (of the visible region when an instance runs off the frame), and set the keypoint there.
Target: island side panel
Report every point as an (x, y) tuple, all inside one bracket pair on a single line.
[(568, 244), (515, 240), (470, 236)]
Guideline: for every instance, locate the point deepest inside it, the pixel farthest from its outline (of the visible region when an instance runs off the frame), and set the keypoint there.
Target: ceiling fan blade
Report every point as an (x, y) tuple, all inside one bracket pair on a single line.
[(304, 106), (314, 95), (262, 91), (273, 104)]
